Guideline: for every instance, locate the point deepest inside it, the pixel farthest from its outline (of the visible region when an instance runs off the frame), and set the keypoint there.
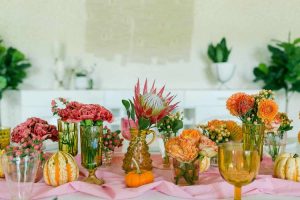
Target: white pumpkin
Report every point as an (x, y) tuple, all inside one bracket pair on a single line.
[(287, 166)]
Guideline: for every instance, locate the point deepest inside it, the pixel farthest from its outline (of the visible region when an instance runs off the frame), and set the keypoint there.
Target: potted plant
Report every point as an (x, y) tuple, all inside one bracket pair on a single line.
[(13, 65), (219, 55), (283, 71)]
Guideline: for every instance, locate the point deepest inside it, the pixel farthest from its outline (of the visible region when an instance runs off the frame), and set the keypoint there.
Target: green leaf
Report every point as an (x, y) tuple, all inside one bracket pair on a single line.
[(144, 123), (3, 82), (178, 126), (132, 112), (99, 123), (296, 41), (126, 104)]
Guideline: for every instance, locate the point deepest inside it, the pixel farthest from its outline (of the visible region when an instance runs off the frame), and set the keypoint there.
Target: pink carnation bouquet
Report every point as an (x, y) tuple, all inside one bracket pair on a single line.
[(86, 114), (31, 134)]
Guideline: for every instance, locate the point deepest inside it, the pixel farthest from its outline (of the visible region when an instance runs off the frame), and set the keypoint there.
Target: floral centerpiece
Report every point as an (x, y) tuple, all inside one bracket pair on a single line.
[(111, 140), (31, 134), (254, 111), (168, 128), (186, 150), (276, 134), (67, 124), (146, 110)]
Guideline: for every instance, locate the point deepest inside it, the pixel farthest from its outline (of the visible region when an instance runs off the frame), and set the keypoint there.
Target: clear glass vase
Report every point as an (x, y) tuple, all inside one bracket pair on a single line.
[(91, 151), (107, 156), (20, 173), (185, 173), (253, 137), (4, 137), (68, 137), (139, 150), (275, 144)]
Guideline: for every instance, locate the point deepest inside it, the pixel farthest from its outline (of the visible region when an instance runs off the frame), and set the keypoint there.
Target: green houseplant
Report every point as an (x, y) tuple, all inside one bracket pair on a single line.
[(283, 71), (13, 65), (219, 55)]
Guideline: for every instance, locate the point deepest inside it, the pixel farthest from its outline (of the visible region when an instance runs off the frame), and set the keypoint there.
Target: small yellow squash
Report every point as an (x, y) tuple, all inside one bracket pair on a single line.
[(1, 169), (60, 168), (287, 166)]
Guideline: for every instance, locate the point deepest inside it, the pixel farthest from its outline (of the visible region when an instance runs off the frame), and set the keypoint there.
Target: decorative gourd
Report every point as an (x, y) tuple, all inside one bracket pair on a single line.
[(204, 164), (1, 169), (60, 168), (138, 177), (287, 166)]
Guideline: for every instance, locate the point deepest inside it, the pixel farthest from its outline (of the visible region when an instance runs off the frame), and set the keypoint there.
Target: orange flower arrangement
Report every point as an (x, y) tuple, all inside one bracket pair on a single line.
[(192, 135), (267, 110), (182, 149), (256, 109)]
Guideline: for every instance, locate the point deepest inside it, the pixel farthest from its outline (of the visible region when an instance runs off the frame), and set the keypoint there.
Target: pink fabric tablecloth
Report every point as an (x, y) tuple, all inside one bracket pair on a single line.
[(211, 185)]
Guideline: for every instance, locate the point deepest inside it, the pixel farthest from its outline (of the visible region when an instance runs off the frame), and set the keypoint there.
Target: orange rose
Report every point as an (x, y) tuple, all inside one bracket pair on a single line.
[(181, 149), (191, 134)]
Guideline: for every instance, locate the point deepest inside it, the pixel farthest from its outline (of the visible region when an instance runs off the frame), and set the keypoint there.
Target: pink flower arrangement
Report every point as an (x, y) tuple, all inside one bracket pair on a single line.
[(34, 129), (77, 112)]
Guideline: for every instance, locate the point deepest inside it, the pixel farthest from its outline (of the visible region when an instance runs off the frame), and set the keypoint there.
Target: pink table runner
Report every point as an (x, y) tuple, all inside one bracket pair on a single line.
[(211, 185)]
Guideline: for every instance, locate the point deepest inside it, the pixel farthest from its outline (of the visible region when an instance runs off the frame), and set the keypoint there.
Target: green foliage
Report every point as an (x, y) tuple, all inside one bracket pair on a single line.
[(13, 65), (219, 52), (143, 123), (283, 72), (170, 124)]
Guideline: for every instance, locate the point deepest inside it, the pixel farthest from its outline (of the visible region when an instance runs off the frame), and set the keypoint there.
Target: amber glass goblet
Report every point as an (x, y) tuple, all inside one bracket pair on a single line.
[(237, 166)]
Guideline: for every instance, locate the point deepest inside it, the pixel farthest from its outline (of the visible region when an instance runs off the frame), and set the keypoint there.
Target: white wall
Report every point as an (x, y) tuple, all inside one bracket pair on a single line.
[(249, 25)]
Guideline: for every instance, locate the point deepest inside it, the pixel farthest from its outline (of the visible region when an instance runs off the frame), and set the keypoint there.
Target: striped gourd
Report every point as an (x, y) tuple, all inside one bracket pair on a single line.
[(60, 168)]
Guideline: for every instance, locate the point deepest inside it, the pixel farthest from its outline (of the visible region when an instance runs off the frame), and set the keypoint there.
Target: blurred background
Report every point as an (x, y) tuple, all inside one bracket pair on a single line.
[(95, 50)]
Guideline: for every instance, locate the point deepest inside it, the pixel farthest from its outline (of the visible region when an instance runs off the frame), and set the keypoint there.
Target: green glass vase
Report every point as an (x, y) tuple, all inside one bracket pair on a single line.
[(68, 137), (253, 137), (91, 151)]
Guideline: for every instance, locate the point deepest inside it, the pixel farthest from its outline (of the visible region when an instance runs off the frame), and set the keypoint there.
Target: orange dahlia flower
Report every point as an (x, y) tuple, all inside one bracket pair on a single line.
[(192, 135), (267, 110), (240, 103)]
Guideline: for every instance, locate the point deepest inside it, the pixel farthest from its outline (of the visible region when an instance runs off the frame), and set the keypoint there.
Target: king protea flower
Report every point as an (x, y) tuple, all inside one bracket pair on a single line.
[(151, 104)]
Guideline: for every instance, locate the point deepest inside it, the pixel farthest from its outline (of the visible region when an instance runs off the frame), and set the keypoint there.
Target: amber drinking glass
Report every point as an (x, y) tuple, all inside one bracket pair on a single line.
[(237, 166)]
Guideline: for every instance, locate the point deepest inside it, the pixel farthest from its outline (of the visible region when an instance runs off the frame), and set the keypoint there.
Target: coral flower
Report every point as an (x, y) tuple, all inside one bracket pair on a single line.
[(267, 110), (240, 103), (151, 104), (236, 133)]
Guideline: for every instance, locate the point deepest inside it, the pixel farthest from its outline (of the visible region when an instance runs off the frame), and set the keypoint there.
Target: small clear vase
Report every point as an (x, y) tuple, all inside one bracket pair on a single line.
[(107, 156), (185, 173), (275, 144), (20, 173), (139, 150), (253, 137), (91, 151), (4, 137), (68, 137)]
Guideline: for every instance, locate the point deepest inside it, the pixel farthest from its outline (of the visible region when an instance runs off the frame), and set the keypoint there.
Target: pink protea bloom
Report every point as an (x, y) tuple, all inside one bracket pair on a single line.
[(151, 104)]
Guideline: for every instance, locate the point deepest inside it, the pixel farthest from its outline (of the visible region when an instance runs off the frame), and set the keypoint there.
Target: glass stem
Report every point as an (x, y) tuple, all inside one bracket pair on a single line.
[(237, 193)]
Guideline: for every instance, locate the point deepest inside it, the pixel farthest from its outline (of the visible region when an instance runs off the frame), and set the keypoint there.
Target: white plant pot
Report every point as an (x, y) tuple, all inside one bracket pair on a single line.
[(82, 82), (224, 71)]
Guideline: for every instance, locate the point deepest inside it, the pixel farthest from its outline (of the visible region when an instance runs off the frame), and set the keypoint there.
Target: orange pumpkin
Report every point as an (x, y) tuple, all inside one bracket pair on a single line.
[(60, 168), (138, 177)]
